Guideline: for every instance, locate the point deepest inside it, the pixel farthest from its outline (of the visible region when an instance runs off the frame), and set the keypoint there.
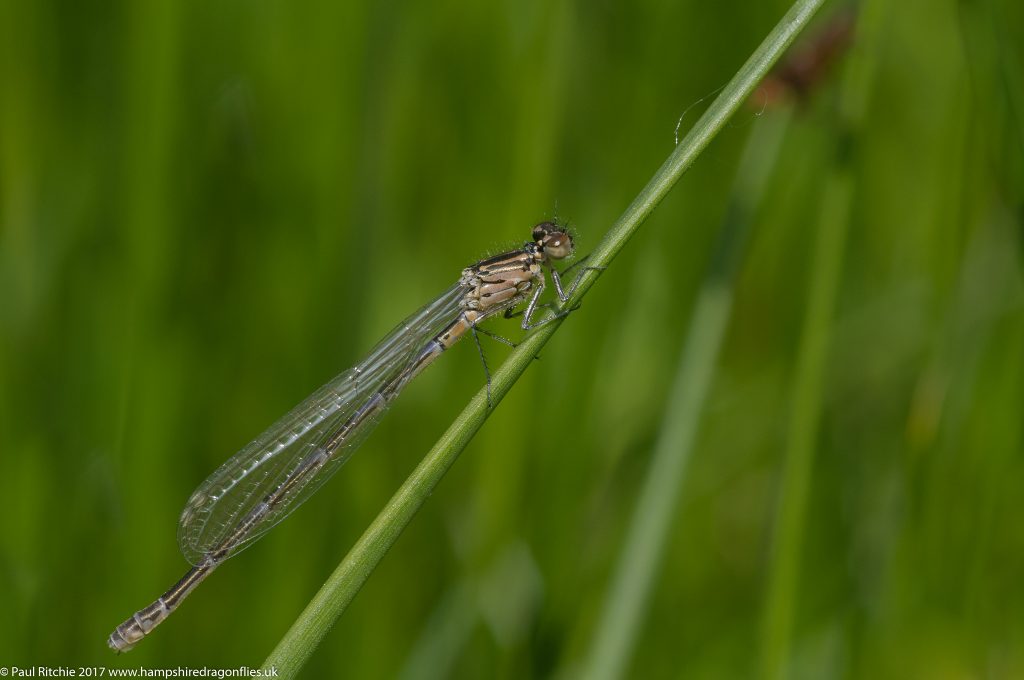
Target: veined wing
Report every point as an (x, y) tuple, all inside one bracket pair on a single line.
[(227, 498)]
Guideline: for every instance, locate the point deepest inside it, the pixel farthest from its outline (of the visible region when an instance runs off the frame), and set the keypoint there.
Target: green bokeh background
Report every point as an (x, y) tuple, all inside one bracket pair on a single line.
[(209, 209)]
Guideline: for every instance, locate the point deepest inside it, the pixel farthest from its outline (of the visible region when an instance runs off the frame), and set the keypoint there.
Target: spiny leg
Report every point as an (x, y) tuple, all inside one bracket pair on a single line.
[(499, 338), (483, 360), (531, 308), (509, 314), (564, 295), (474, 327), (577, 263), (529, 325)]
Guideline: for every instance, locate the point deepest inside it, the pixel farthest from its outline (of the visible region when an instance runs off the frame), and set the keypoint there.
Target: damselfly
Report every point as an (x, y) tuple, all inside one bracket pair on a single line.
[(284, 466)]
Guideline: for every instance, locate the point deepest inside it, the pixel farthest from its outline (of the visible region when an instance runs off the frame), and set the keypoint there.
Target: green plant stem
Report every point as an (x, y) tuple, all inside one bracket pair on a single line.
[(309, 629), (803, 427), (812, 352), (649, 529)]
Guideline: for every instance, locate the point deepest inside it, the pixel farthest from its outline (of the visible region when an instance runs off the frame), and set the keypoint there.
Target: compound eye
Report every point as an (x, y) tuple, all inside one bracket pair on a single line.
[(542, 230), (558, 245)]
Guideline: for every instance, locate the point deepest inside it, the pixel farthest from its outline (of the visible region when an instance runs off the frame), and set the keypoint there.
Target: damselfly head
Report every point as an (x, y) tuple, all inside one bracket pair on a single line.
[(553, 240)]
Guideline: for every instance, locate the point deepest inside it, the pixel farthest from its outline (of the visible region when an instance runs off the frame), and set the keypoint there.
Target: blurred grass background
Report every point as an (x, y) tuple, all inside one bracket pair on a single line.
[(209, 209)]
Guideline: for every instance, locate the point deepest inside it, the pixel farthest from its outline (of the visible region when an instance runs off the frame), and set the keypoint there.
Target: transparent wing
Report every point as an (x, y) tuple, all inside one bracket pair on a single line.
[(228, 496)]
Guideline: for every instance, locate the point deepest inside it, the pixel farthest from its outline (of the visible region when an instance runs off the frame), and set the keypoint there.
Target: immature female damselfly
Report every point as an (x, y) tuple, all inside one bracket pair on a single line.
[(284, 466)]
